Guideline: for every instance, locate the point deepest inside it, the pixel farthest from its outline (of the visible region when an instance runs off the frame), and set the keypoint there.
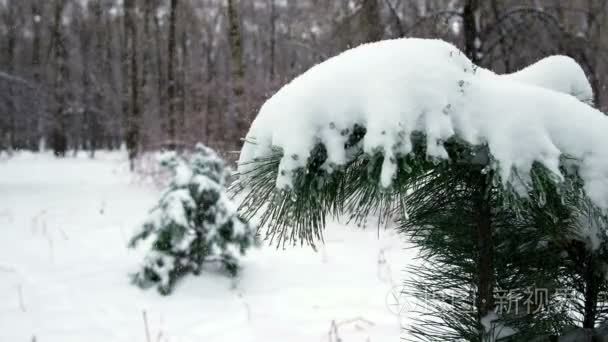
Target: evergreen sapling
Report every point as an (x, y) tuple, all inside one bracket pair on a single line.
[(195, 222)]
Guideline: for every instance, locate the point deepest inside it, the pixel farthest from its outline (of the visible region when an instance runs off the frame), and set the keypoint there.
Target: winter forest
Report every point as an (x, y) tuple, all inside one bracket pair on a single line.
[(304, 170), (88, 75)]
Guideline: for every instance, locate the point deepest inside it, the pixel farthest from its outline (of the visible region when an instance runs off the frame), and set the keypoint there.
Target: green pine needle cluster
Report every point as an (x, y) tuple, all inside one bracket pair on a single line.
[(477, 234)]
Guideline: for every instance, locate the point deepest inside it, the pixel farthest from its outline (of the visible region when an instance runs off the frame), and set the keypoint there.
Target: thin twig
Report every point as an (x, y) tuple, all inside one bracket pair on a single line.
[(334, 335), (146, 327)]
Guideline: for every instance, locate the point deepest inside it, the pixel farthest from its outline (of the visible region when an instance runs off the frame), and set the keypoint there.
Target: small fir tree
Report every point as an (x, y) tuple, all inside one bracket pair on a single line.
[(194, 222)]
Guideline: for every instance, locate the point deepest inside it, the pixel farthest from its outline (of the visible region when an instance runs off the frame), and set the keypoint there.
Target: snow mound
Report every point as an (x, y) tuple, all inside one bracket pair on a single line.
[(397, 87), (559, 73)]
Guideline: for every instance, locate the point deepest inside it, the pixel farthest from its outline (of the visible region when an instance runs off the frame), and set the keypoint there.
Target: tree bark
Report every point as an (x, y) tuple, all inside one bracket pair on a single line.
[(503, 49), (147, 67), (171, 88), (36, 123), (160, 74), (9, 63), (134, 112), (370, 11), (86, 79), (182, 84), (95, 129), (591, 291), (472, 38), (485, 246), (108, 70), (238, 70), (59, 138), (273, 39)]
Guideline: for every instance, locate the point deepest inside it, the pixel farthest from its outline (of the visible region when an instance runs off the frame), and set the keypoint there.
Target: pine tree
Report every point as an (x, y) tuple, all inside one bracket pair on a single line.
[(524, 278), (476, 231), (480, 233), (195, 222)]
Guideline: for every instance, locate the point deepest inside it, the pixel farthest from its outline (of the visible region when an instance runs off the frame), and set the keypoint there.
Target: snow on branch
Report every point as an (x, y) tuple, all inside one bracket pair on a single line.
[(399, 89), (559, 73)]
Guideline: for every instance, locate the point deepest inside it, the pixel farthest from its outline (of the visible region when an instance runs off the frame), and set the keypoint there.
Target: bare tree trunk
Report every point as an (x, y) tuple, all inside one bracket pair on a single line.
[(86, 78), (212, 122), (59, 138), (171, 88), (238, 70), (370, 11), (95, 129), (134, 112), (147, 67), (9, 135), (471, 25), (36, 122), (398, 25), (182, 84), (273, 38), (108, 69), (594, 20), (503, 49), (160, 76)]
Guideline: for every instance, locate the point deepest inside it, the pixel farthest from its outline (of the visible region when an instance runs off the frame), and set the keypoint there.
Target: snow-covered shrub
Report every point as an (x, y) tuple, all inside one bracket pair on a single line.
[(194, 222)]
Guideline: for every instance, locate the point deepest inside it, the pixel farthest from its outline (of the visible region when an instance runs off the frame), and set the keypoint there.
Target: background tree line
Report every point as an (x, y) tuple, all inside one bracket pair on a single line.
[(96, 74)]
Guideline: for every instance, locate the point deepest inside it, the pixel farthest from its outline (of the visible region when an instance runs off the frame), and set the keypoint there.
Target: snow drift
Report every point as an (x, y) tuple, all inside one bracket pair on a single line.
[(397, 87)]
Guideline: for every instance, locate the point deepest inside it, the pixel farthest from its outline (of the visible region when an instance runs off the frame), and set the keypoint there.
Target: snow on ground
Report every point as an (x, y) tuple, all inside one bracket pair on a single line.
[(64, 266)]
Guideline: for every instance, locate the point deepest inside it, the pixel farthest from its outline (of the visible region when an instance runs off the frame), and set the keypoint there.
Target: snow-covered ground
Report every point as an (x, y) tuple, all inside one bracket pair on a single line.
[(64, 269)]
